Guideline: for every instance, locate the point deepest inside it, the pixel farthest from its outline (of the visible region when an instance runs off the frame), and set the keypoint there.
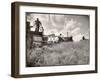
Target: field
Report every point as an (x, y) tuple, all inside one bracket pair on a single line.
[(64, 53)]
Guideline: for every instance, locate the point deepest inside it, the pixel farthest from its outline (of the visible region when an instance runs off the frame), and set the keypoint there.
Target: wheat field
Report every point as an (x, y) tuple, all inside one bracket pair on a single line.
[(64, 53)]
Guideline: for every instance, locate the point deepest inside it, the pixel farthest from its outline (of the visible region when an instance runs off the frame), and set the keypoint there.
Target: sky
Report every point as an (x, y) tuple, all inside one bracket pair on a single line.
[(65, 24)]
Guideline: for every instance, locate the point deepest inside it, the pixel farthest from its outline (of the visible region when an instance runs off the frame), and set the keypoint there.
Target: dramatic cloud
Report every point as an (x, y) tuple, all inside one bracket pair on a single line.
[(67, 25)]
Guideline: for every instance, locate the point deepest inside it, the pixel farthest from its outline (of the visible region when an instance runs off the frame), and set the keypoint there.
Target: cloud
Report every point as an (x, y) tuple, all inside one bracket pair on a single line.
[(70, 24), (62, 24), (78, 37), (75, 31), (72, 27)]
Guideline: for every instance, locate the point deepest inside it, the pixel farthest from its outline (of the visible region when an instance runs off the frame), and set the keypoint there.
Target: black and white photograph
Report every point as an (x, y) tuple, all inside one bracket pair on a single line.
[(54, 39)]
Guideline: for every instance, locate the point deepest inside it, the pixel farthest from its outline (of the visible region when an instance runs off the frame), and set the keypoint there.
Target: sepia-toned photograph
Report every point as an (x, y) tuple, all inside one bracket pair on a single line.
[(57, 39), (53, 39)]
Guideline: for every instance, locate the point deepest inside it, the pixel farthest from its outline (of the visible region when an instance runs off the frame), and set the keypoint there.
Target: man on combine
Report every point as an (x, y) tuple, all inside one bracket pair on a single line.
[(38, 24)]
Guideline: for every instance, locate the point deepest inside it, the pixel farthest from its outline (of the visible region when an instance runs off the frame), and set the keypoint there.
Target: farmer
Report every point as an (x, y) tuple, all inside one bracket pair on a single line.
[(38, 24)]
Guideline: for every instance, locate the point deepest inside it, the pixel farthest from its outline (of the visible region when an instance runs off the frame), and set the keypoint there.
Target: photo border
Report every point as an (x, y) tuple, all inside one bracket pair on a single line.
[(15, 38)]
